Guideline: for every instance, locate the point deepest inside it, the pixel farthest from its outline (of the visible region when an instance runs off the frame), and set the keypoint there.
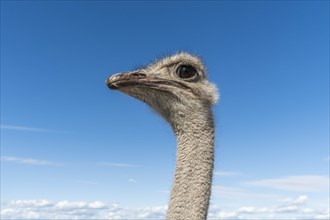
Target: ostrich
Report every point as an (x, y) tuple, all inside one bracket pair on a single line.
[(177, 88)]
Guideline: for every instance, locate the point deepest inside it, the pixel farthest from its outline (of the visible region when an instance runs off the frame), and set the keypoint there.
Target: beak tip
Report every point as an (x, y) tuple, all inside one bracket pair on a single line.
[(111, 85)]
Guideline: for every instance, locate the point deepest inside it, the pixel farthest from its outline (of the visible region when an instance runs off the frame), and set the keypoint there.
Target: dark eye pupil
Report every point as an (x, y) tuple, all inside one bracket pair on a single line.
[(186, 72)]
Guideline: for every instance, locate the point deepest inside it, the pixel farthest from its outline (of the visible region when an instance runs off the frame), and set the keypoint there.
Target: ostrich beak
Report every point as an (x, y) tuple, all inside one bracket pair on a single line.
[(124, 79), (136, 78)]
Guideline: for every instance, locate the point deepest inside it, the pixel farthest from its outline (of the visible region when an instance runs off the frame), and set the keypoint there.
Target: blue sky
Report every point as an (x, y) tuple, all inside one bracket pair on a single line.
[(72, 148)]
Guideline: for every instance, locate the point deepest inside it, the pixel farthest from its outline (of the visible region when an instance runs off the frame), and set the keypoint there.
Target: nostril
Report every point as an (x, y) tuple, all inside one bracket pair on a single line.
[(138, 74)]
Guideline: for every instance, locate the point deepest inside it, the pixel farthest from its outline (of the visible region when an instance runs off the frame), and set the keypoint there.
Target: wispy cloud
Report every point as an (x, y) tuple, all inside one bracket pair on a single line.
[(30, 203), (235, 192), (291, 208), (131, 180), (300, 200), (24, 128), (119, 165), (306, 183), (224, 191), (28, 161)]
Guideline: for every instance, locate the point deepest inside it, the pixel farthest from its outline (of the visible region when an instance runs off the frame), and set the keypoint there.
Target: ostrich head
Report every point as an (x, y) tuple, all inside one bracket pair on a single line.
[(174, 86)]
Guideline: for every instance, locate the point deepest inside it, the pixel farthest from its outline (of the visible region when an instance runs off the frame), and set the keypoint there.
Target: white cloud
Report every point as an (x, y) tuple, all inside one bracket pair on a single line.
[(292, 208), (289, 208), (7, 212), (251, 209), (227, 215), (71, 205), (66, 205), (28, 161), (293, 205), (307, 183), (300, 200), (325, 214), (96, 205), (32, 209), (23, 128)]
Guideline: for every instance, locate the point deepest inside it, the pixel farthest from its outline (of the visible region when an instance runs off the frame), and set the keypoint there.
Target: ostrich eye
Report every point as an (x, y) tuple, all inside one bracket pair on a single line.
[(186, 72)]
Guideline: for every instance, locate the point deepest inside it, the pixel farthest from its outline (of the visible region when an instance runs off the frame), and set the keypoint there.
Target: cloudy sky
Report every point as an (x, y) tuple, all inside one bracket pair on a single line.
[(70, 148)]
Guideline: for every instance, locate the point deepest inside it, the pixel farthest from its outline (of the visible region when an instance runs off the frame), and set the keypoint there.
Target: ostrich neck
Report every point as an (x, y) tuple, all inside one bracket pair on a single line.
[(191, 190)]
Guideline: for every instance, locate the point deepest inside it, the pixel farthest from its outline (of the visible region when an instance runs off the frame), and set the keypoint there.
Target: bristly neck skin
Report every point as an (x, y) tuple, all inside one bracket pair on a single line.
[(191, 190)]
